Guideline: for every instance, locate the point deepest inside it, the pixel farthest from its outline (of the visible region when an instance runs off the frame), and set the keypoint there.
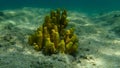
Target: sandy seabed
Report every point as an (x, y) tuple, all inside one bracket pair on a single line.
[(99, 40)]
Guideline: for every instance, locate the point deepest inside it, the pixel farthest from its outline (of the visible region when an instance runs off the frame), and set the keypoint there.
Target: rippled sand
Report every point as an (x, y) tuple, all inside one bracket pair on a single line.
[(99, 40)]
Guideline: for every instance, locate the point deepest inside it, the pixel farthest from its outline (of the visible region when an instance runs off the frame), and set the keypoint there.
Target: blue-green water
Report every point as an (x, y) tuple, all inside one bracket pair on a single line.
[(89, 6)]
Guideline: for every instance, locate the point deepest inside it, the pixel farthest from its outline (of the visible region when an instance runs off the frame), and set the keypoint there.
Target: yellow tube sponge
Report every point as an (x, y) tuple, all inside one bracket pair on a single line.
[(52, 37), (61, 46), (45, 32), (39, 39), (56, 39), (36, 47), (68, 47), (49, 47), (67, 37)]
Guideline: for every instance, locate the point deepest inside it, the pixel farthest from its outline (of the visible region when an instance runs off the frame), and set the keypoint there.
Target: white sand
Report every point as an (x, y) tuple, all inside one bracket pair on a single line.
[(99, 41)]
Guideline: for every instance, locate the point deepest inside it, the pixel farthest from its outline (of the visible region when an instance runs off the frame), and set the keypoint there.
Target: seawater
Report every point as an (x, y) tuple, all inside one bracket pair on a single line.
[(88, 6)]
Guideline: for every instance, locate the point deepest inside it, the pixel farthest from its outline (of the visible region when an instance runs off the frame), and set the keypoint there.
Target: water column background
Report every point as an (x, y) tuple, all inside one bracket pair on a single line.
[(88, 6)]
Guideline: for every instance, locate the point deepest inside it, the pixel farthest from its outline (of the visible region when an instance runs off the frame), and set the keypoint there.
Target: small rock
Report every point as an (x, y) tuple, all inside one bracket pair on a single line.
[(87, 49)]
